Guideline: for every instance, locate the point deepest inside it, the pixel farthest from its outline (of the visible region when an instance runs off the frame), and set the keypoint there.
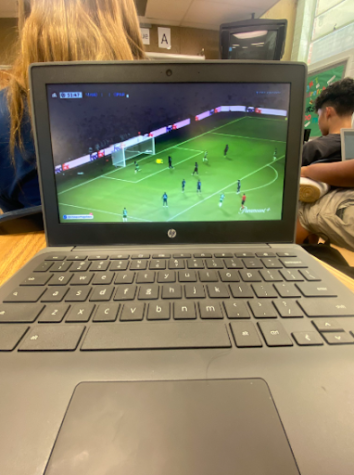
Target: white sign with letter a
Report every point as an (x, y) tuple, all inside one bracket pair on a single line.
[(164, 37)]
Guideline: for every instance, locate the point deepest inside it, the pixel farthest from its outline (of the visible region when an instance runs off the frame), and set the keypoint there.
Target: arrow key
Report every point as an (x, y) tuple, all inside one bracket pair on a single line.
[(328, 325), (338, 338), (307, 338)]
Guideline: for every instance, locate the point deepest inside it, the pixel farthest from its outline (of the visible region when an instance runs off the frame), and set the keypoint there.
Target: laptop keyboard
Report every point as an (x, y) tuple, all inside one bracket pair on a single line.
[(169, 301)]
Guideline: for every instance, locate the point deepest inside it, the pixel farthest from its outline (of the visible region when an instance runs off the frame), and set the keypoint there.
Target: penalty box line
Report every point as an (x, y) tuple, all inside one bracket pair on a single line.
[(225, 187), (249, 138), (107, 212)]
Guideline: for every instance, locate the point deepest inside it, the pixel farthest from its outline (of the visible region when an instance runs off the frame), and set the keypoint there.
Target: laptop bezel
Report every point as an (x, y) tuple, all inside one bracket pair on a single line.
[(108, 234), (343, 133)]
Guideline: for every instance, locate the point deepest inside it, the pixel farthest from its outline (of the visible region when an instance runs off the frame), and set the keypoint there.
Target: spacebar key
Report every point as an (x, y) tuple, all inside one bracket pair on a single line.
[(139, 336)]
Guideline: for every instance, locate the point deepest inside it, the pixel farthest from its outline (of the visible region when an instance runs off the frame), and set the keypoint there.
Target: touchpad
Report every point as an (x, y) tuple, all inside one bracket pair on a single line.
[(204, 427)]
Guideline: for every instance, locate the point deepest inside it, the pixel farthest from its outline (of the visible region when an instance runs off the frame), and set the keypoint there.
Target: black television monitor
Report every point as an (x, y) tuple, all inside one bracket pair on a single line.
[(253, 39)]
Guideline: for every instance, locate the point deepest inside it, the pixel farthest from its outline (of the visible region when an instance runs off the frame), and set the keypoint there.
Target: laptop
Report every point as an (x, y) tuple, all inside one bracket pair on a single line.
[(347, 143), (172, 325)]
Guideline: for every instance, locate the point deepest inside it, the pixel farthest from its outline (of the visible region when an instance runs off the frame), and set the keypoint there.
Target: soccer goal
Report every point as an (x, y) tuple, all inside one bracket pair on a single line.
[(133, 148)]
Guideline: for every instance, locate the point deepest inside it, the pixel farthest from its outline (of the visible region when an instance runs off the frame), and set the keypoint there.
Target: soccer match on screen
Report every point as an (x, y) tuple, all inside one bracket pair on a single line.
[(206, 156)]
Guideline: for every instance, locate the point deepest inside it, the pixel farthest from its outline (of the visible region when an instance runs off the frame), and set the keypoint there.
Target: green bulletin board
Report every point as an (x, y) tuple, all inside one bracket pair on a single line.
[(315, 84)]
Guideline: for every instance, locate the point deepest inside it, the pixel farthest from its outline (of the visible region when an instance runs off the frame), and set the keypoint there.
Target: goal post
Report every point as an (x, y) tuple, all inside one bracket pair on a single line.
[(133, 148)]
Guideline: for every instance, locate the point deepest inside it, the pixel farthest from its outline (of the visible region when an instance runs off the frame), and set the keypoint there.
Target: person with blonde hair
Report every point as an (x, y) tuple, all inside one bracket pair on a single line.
[(55, 30)]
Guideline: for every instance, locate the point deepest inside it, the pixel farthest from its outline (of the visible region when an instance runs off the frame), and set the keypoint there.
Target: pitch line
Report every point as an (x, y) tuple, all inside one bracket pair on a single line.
[(118, 179), (258, 187), (249, 138), (225, 187), (107, 212)]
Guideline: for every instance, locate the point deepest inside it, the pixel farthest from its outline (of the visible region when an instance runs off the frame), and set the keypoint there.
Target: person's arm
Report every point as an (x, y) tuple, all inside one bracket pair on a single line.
[(335, 173)]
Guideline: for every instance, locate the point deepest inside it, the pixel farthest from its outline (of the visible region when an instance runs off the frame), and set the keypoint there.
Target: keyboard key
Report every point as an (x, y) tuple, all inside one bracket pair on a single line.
[(106, 312), (141, 256), (313, 289), (237, 309), (119, 257), (271, 275), (125, 292), (338, 338), (52, 338), (132, 312), (287, 254), (60, 266), (218, 291), (264, 291), (187, 276), (265, 254), (288, 309), (241, 291), (287, 290), (233, 264), (208, 276), (262, 309), (166, 276), (326, 307), (183, 255), (138, 265), (307, 338), (176, 264), (195, 264), (245, 335), (80, 313), (119, 265), (77, 257), (210, 309), (11, 335), (101, 294), (310, 276), (46, 265), (82, 279), (25, 294), (250, 276), (158, 311), (214, 264), (194, 291), (244, 254), (158, 264), (148, 292), (291, 275), (173, 291), (80, 266), (145, 336), (161, 256), (274, 334), (60, 279), (328, 325), (53, 314), (229, 275), (184, 311), (56, 257), (37, 279), (78, 294), (252, 263), (272, 263), (292, 263), (103, 279), (125, 278), (202, 255), (100, 266), (101, 257), (20, 313), (147, 277), (223, 255)]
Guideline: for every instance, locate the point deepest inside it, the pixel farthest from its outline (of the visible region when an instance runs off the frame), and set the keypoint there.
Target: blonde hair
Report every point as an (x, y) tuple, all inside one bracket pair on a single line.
[(69, 30)]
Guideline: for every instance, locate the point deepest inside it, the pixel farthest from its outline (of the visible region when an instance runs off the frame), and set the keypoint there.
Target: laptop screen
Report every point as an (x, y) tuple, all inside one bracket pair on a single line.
[(187, 152), (347, 144)]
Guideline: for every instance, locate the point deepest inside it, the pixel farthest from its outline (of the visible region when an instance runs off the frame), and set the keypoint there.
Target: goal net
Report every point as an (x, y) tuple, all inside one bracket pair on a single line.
[(133, 148)]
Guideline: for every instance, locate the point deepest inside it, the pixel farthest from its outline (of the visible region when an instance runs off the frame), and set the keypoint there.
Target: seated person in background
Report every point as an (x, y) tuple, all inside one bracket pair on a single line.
[(53, 30), (335, 107)]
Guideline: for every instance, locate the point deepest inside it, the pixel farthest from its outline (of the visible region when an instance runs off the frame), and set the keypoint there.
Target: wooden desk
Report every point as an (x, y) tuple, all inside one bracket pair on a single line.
[(16, 250)]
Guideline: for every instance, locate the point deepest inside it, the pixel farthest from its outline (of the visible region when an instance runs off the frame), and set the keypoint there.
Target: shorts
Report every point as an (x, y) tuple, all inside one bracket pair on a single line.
[(331, 217)]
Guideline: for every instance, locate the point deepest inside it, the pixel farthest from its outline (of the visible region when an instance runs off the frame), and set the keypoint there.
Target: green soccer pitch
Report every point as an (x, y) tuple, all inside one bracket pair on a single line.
[(251, 140)]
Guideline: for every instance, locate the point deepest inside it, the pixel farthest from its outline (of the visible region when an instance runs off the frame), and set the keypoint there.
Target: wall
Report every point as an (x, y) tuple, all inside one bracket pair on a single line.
[(8, 38), (187, 41), (284, 9)]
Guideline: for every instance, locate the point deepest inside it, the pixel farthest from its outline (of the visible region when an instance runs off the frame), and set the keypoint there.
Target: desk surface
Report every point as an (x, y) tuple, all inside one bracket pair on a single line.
[(16, 250)]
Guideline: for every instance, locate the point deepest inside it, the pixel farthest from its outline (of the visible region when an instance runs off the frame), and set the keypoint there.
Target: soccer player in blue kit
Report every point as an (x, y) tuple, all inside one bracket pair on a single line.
[(183, 185), (164, 199), (238, 186), (199, 186)]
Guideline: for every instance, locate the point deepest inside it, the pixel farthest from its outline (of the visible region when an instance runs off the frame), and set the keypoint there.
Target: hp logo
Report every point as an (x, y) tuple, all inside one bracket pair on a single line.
[(171, 233)]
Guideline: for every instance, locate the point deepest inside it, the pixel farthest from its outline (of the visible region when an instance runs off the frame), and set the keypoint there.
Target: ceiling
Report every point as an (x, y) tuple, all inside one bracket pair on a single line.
[(208, 14)]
